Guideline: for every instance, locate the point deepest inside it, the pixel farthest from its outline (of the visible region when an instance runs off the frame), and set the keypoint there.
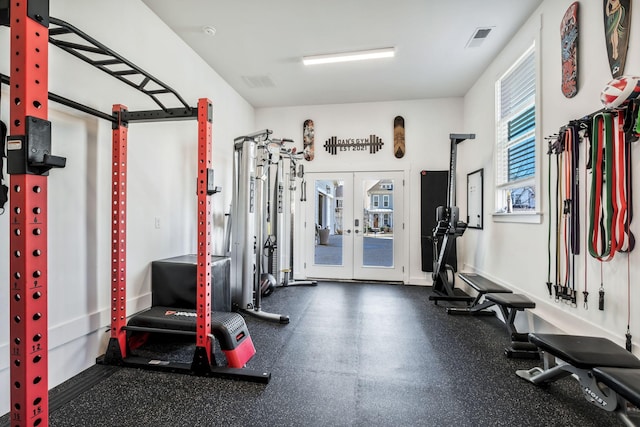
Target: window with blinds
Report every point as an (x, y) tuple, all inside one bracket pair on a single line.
[(516, 137)]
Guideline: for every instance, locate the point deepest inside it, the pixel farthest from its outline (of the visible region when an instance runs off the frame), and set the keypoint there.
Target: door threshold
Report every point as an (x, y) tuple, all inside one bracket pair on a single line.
[(382, 282)]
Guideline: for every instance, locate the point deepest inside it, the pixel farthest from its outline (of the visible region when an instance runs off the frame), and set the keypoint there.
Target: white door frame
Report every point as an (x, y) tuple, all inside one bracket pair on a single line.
[(352, 235)]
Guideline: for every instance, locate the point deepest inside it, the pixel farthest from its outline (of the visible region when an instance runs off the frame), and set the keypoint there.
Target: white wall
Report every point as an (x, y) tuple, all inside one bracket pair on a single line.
[(428, 124), (515, 254), (162, 176)]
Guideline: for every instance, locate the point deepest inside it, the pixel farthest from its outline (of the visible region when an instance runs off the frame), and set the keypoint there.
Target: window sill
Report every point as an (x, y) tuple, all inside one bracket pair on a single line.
[(521, 217)]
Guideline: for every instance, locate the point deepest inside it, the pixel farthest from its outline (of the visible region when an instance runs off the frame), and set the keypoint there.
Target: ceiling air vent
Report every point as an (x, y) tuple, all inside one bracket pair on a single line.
[(479, 36), (257, 82)]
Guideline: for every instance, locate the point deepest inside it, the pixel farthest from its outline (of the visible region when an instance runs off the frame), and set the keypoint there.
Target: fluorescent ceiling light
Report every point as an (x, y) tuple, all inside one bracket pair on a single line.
[(388, 52)]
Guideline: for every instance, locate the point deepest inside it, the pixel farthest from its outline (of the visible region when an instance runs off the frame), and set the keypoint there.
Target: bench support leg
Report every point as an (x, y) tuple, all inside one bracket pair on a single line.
[(520, 346), (601, 397)]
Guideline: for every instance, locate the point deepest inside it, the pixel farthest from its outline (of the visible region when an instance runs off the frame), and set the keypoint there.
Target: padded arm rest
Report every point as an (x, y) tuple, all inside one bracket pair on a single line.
[(585, 352)]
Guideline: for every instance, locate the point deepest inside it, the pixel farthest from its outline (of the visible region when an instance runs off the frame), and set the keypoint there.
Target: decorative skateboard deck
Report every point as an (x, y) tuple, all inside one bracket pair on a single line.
[(569, 37), (617, 15), (398, 137), (308, 135)]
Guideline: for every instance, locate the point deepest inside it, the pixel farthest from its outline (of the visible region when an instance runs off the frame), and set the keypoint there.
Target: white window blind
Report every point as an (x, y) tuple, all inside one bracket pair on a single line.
[(516, 137)]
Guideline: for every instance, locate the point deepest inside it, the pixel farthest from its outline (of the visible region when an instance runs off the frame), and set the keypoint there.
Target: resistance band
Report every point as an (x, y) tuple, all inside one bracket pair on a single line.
[(549, 283), (567, 153), (586, 126), (609, 226)]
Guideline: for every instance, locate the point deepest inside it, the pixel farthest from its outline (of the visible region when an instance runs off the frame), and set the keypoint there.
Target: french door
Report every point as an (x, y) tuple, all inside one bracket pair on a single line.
[(354, 225)]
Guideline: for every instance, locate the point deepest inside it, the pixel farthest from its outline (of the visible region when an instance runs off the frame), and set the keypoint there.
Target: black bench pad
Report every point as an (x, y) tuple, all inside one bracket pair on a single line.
[(482, 284), (180, 319), (585, 352), (625, 382), (517, 301)]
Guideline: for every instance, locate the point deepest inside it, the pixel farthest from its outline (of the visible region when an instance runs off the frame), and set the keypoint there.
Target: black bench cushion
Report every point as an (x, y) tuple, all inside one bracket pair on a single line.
[(625, 382), (585, 352), (482, 284), (177, 319), (517, 301)]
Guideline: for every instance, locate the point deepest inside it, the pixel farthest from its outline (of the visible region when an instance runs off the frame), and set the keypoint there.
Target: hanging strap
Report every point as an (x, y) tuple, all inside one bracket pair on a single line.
[(4, 190), (625, 241), (601, 206), (549, 283), (558, 215), (587, 159), (610, 189), (567, 208), (618, 190)]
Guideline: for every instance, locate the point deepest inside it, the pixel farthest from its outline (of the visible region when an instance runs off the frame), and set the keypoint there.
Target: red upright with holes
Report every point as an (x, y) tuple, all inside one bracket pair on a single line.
[(28, 241), (202, 358), (119, 234)]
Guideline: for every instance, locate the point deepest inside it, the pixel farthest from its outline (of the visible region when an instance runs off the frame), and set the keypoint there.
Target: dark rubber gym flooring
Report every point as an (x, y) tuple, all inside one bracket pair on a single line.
[(352, 355)]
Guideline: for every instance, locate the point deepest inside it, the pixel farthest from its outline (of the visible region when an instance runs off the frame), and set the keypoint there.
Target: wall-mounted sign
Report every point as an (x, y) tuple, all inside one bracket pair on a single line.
[(373, 144)]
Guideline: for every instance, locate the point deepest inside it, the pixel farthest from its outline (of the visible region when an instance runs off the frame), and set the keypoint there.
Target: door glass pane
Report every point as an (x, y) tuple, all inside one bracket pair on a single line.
[(377, 227), (328, 222)]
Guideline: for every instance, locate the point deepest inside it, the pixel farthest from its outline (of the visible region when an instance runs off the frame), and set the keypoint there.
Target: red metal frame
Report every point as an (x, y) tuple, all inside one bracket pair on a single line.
[(119, 231), (28, 241), (203, 285), (28, 228)]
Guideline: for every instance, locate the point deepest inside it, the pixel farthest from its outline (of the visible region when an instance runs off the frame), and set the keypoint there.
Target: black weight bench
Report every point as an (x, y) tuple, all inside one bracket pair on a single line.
[(608, 374), (510, 304), (626, 384), (482, 286)]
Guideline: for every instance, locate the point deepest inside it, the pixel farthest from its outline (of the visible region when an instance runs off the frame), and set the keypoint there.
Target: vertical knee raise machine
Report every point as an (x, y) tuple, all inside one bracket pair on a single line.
[(447, 229)]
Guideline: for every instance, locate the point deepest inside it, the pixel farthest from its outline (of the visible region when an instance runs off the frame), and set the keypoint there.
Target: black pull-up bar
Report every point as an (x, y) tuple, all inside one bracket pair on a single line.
[(100, 56)]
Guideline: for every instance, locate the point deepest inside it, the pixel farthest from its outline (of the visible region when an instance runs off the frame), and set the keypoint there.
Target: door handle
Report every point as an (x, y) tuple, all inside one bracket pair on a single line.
[(348, 231), (356, 231)]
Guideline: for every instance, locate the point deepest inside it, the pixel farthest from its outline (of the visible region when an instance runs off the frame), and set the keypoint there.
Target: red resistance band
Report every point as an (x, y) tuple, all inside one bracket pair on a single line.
[(609, 222)]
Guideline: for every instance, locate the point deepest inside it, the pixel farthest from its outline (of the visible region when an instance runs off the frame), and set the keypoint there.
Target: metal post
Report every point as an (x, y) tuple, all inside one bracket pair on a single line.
[(28, 221), (117, 344), (203, 358)]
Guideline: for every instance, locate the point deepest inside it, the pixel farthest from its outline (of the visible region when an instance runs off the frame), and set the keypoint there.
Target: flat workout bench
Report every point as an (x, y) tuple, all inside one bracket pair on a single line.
[(510, 305), (482, 286), (592, 361), (625, 382)]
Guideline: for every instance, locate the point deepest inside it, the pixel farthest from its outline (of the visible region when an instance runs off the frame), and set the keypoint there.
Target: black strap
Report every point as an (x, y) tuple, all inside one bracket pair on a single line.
[(4, 190)]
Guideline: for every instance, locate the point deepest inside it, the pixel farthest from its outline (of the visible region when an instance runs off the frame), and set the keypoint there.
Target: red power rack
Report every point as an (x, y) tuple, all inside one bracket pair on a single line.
[(29, 160)]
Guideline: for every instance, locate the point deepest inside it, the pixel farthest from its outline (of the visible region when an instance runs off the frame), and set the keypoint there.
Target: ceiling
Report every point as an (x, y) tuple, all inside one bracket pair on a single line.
[(258, 45)]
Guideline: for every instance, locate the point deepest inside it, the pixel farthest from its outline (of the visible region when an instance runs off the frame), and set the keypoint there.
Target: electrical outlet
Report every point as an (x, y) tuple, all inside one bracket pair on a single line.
[(157, 222)]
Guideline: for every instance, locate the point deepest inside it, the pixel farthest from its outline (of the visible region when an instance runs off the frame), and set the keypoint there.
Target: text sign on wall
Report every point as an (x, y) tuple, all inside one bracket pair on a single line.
[(373, 144)]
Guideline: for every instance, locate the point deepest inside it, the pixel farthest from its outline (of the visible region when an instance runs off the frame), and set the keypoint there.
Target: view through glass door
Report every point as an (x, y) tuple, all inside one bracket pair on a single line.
[(354, 225)]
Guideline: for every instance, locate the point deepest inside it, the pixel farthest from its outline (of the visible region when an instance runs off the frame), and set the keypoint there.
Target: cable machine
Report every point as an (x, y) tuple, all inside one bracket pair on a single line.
[(248, 222), (28, 163), (448, 228), (285, 217)]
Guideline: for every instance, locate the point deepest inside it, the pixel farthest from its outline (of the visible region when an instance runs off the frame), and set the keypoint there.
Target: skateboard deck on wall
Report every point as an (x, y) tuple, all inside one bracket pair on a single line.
[(308, 135), (617, 14), (398, 137), (569, 38)]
